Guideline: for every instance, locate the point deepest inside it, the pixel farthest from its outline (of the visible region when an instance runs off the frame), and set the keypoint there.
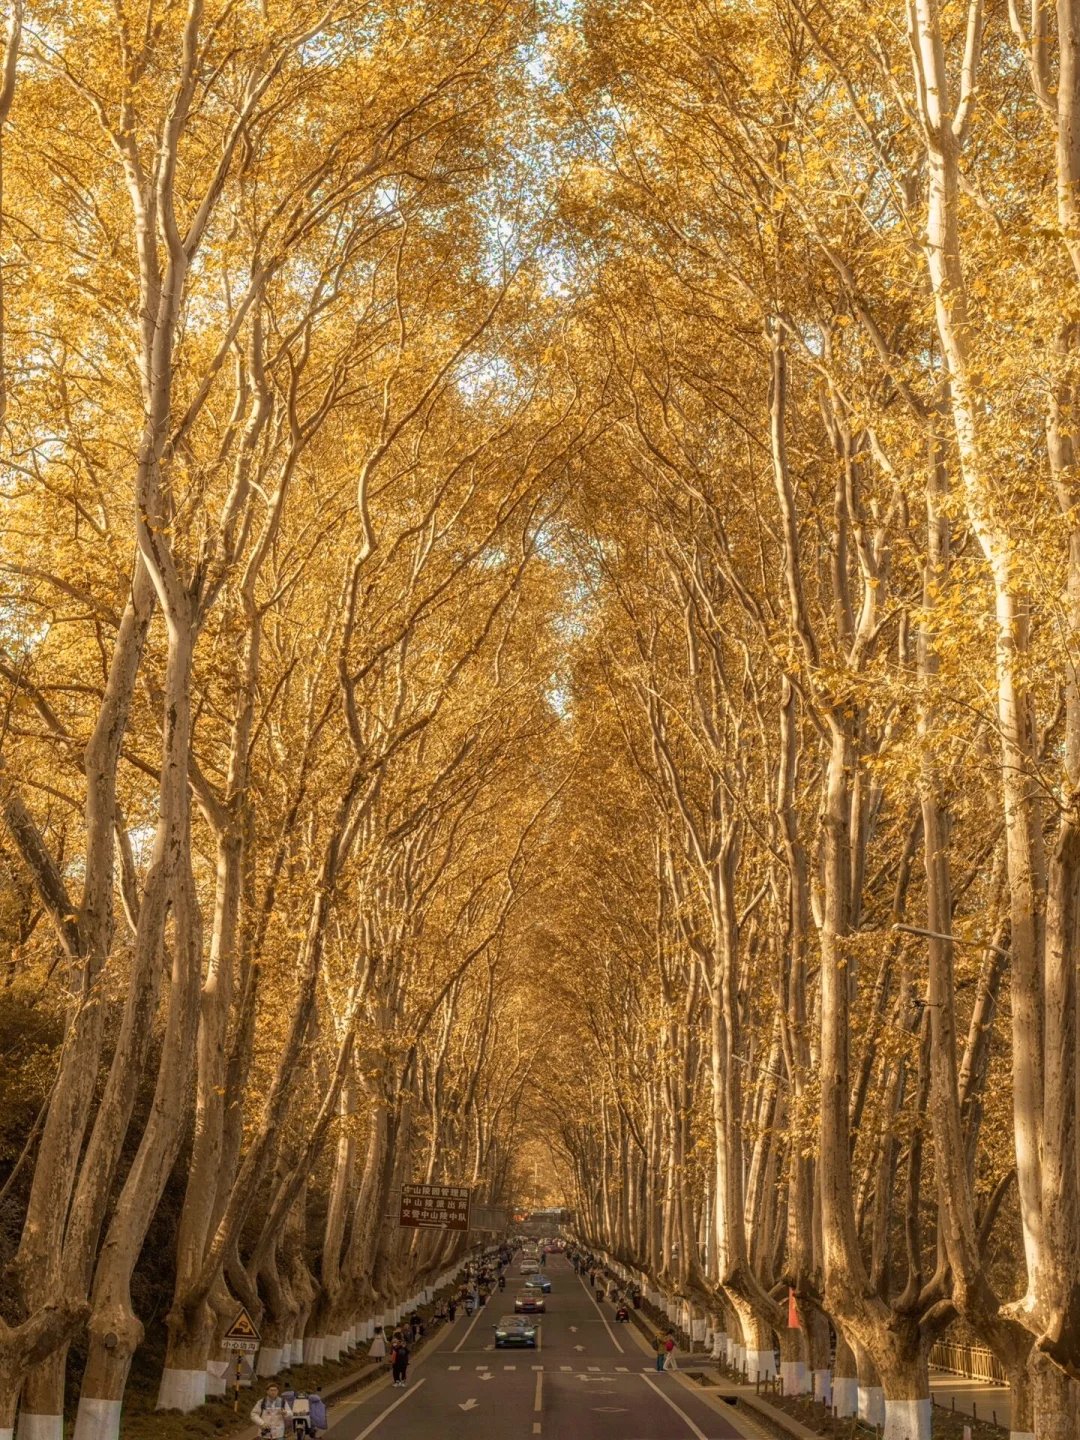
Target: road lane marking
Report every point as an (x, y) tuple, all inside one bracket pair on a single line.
[(595, 1369), (380, 1418), (469, 1404), (621, 1370), (455, 1367), (481, 1367), (538, 1367), (698, 1434), (468, 1332), (509, 1367), (603, 1317), (536, 1427), (566, 1367)]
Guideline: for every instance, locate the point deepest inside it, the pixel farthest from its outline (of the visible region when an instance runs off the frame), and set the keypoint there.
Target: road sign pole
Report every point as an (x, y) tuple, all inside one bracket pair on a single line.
[(236, 1387)]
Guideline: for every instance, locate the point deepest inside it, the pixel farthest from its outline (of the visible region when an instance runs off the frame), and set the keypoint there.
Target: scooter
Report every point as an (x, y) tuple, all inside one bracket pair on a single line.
[(301, 1421), (622, 1315), (309, 1416)]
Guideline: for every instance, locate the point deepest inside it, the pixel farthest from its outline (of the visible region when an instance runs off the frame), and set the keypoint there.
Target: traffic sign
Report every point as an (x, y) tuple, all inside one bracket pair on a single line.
[(242, 1335)]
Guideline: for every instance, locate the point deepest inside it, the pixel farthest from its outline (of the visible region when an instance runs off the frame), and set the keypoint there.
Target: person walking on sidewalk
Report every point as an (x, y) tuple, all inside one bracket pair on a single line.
[(661, 1352), (377, 1348)]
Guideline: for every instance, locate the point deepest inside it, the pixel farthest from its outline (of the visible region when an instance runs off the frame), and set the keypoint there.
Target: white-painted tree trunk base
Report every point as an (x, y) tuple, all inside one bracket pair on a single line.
[(333, 1348), (823, 1386), (719, 1346), (1013, 1434), (761, 1362), (872, 1404), (40, 1427), (96, 1420), (269, 1361), (907, 1419), (740, 1357), (845, 1394), (7, 1432), (297, 1352), (313, 1349), (795, 1377), (182, 1390)]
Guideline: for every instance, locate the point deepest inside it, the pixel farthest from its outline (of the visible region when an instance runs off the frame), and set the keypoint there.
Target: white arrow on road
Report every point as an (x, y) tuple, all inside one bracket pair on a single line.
[(469, 1405), (487, 1376), (579, 1347), (573, 1329)]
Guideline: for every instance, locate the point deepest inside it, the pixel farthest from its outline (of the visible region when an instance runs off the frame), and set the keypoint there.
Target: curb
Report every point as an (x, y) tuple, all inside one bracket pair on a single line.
[(760, 1409)]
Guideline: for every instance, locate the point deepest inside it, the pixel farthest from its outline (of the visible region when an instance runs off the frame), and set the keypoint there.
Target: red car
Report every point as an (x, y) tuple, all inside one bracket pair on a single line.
[(529, 1302)]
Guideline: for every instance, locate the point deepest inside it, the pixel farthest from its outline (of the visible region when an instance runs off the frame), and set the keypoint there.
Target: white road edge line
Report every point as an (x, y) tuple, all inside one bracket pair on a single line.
[(700, 1434), (399, 1401), (603, 1317), (479, 1311)]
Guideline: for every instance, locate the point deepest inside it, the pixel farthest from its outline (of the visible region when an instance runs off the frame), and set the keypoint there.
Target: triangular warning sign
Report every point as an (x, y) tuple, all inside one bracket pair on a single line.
[(242, 1328)]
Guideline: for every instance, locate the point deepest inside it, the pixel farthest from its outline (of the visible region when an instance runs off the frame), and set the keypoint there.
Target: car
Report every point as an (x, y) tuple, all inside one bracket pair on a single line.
[(539, 1282), (529, 1302), (529, 1267), (515, 1330)]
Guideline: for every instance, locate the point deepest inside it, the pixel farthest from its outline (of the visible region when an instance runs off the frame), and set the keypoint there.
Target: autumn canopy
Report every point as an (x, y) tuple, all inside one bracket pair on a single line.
[(539, 625)]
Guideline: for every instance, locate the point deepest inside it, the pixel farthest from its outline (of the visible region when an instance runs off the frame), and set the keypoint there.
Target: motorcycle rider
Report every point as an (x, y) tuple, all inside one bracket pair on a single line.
[(271, 1414)]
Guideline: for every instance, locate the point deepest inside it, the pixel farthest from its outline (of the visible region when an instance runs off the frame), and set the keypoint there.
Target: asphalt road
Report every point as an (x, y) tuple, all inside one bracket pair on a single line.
[(590, 1379)]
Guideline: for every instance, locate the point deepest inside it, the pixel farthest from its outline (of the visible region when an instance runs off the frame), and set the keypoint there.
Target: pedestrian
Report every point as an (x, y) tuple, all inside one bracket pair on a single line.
[(451, 1309), (400, 1363), (670, 1363), (271, 1414), (592, 1279), (377, 1348), (658, 1346)]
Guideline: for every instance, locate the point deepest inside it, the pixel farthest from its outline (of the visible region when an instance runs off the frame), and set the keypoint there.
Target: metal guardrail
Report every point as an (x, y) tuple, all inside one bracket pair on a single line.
[(974, 1362)]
